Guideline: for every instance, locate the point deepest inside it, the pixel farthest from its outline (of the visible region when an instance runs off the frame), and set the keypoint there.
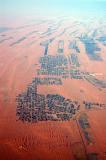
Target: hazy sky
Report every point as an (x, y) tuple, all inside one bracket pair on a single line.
[(51, 6)]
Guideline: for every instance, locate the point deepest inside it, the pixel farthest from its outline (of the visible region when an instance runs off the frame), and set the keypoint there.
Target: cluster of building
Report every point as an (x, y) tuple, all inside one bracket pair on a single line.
[(46, 44), (53, 65), (85, 126), (89, 138), (73, 45), (53, 61), (47, 81), (73, 58), (53, 72), (102, 39), (92, 50), (63, 108), (34, 107), (61, 46), (58, 66), (30, 105), (94, 81), (93, 105), (76, 74)]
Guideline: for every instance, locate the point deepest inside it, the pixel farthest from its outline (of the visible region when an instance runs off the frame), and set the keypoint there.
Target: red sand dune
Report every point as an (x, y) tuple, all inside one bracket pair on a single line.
[(47, 140)]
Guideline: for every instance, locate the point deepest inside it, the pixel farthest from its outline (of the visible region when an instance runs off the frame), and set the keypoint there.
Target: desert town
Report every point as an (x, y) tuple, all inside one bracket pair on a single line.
[(53, 90)]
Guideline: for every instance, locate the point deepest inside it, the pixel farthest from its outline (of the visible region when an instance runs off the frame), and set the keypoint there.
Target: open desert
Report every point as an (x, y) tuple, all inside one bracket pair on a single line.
[(53, 88)]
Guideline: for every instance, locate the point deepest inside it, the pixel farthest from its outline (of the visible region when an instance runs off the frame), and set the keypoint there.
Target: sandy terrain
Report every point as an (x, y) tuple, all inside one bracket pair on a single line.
[(19, 61)]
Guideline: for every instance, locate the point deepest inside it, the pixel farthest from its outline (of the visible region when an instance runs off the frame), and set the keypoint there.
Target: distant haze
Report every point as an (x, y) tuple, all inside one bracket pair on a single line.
[(51, 6)]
